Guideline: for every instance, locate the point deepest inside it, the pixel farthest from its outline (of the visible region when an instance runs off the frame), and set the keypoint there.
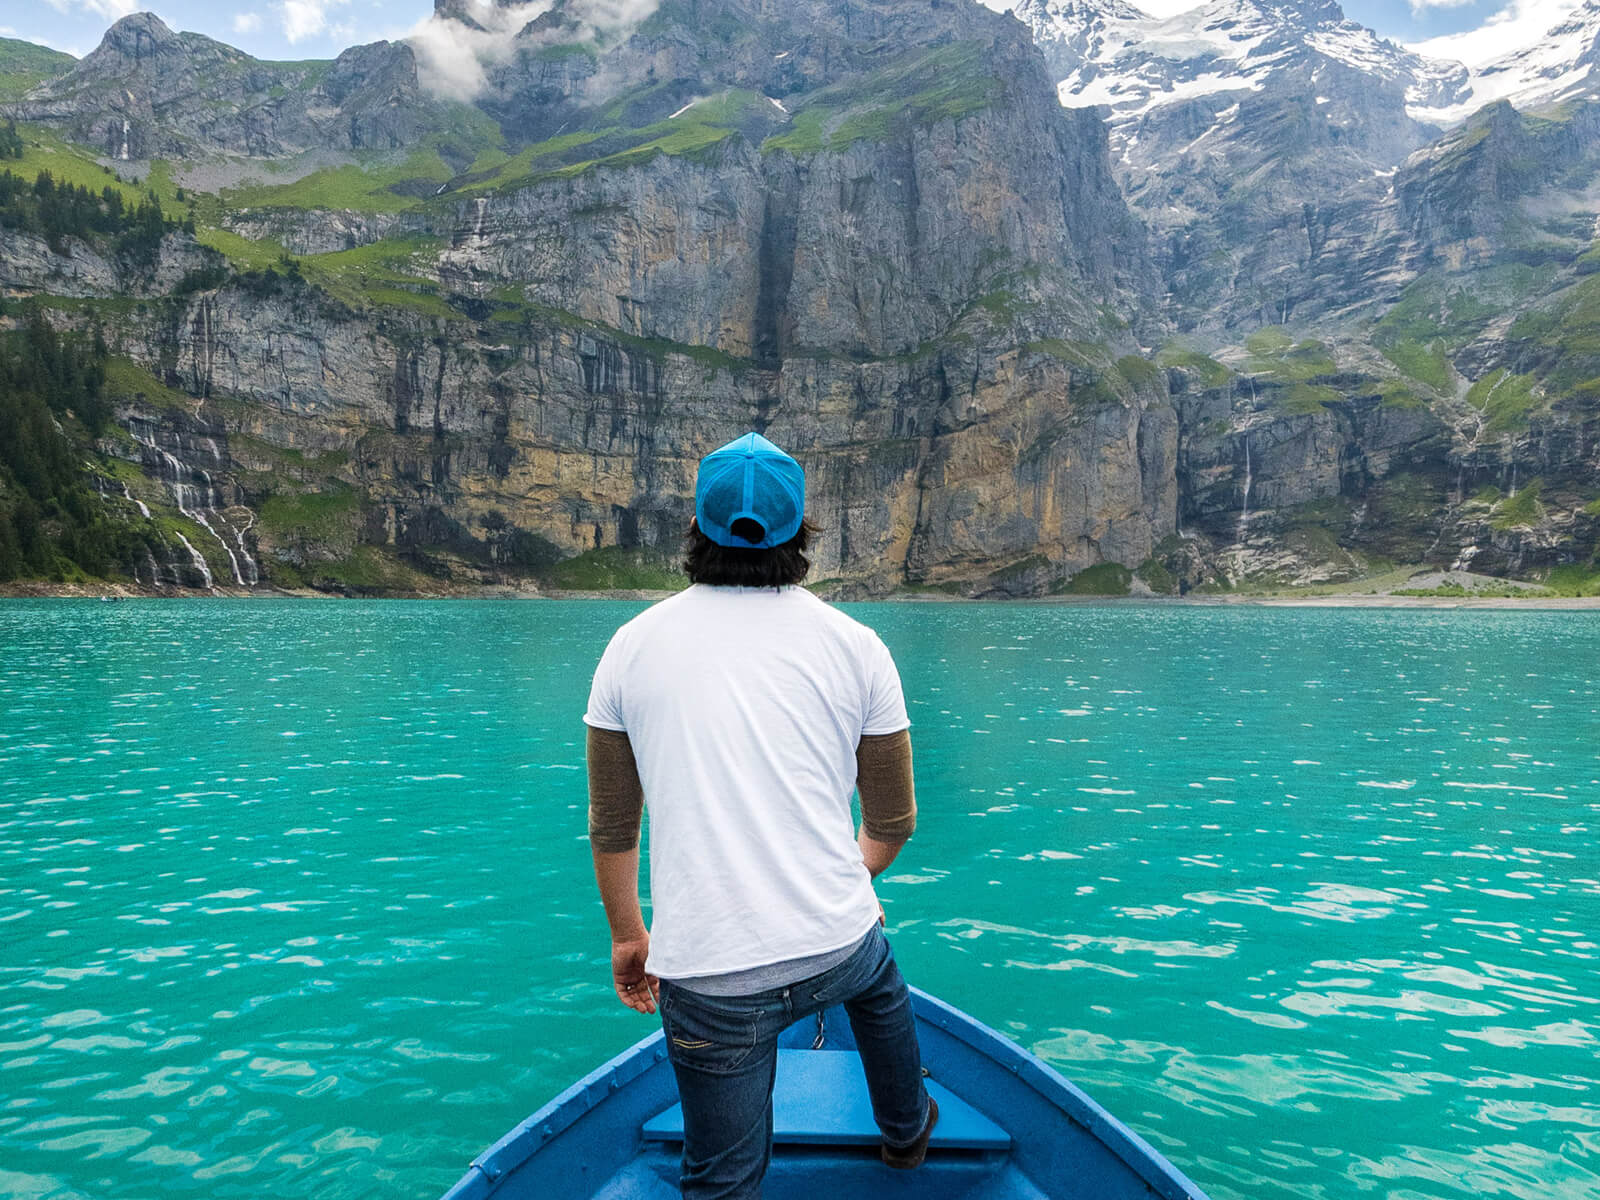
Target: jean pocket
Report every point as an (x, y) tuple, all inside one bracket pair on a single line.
[(827, 997), (716, 1042)]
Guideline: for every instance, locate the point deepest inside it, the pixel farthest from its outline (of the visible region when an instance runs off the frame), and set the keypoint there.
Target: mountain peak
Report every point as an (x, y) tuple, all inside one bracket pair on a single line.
[(143, 43), (472, 13), (1109, 53), (1078, 10), (137, 34), (1278, 14), (1316, 12)]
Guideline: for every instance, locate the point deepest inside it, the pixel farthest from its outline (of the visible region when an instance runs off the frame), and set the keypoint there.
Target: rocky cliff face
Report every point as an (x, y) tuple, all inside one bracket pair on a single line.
[(945, 470), (866, 230)]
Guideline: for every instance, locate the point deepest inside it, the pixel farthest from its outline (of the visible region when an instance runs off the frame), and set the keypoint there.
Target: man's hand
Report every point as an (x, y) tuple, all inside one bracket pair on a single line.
[(634, 988), (618, 877)]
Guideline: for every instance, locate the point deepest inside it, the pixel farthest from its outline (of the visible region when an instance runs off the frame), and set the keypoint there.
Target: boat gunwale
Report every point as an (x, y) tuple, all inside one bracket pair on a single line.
[(1077, 1105), (563, 1111)]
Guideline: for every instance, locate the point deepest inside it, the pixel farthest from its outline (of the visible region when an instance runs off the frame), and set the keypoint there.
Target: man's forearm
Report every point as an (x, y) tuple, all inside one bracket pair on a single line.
[(616, 803), (618, 877), (877, 855)]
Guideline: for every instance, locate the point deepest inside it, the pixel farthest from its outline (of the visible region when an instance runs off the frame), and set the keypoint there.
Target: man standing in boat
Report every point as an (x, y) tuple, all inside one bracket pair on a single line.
[(742, 713)]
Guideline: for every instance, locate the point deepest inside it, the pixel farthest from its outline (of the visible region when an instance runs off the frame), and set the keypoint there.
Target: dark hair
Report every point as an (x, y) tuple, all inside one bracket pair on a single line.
[(728, 566)]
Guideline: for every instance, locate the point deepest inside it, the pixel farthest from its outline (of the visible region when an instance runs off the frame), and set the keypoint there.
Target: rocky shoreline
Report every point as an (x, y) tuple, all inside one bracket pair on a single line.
[(1308, 599)]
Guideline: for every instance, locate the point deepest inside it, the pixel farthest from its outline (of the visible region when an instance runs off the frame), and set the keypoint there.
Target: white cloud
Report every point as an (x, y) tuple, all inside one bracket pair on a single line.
[(1520, 23), (108, 10), (304, 19), (1418, 7), (453, 58), (247, 22)]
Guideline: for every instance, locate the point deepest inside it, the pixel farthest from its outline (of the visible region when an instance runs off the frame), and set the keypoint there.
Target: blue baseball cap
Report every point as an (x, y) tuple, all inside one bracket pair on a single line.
[(749, 479)]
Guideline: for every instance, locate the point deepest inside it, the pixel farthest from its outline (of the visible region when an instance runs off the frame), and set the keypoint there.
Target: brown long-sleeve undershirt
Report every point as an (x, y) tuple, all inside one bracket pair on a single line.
[(616, 798)]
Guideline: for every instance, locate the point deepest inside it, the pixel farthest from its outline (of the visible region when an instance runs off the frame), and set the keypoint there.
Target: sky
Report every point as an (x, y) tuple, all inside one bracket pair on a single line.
[(1471, 30)]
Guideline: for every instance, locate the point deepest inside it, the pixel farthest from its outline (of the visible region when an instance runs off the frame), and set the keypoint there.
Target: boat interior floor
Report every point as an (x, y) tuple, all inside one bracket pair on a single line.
[(840, 1173), (826, 1144)]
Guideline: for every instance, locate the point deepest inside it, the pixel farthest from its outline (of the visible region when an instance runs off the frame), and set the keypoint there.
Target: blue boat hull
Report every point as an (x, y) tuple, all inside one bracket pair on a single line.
[(1010, 1127)]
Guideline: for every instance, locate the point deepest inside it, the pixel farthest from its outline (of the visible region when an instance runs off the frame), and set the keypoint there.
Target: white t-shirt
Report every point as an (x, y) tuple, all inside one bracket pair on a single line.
[(744, 707)]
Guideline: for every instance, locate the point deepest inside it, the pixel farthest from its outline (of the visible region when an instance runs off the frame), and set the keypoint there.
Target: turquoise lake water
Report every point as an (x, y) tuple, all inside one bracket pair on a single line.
[(295, 898)]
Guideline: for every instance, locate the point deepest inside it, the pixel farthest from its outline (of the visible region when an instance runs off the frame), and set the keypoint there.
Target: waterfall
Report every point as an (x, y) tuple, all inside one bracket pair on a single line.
[(169, 570), (123, 153), (252, 568), (199, 516), (144, 511), (197, 497), (199, 563), (477, 229), (1244, 512)]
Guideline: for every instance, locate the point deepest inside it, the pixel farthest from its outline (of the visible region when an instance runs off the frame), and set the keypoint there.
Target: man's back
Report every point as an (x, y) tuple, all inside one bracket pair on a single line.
[(744, 708)]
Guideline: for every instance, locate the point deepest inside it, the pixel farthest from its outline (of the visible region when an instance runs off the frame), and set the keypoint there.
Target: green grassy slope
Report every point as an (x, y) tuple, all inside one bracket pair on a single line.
[(23, 64)]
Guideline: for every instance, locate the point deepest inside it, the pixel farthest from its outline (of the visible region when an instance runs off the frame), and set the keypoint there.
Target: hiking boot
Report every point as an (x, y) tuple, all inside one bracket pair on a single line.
[(904, 1158)]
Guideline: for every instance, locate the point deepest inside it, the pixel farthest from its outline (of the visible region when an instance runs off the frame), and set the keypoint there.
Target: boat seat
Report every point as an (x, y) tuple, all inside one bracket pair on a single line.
[(820, 1099)]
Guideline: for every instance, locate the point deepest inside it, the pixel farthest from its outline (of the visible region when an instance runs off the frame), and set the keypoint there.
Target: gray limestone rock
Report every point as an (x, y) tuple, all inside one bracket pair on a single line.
[(146, 92)]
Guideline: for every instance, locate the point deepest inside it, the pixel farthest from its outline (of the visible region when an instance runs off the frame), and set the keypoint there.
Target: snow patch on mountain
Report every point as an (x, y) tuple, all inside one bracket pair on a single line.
[(1109, 52), (1112, 53), (1558, 65)]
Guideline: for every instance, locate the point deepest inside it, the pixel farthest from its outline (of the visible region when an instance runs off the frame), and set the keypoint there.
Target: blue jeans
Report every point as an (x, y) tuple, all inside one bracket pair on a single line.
[(724, 1051)]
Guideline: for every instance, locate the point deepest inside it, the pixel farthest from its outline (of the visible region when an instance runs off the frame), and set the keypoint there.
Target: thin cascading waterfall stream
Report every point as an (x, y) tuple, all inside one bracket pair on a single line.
[(198, 516), (126, 127), (158, 577), (198, 561), (246, 571), (1249, 478), (477, 229), (183, 494), (252, 568), (209, 345), (144, 510), (201, 504)]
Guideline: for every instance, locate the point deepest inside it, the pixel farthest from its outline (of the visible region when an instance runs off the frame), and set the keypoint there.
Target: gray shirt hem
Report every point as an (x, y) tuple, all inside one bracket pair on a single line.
[(770, 976)]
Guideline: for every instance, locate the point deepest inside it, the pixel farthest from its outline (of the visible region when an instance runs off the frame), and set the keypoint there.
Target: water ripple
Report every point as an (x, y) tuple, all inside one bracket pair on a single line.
[(1317, 923)]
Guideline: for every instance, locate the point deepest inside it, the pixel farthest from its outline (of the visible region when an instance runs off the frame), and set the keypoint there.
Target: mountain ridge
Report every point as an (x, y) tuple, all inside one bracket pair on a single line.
[(876, 237), (1336, 343)]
